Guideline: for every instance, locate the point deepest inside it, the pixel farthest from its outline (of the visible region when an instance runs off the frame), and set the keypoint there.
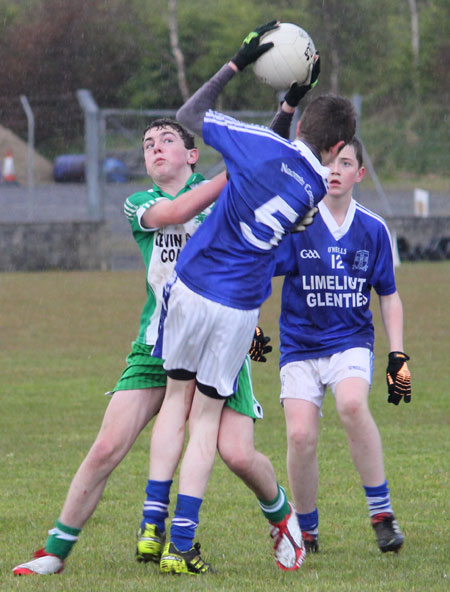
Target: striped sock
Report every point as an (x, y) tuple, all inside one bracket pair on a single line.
[(185, 521), (156, 504), (61, 539), (277, 509), (378, 499)]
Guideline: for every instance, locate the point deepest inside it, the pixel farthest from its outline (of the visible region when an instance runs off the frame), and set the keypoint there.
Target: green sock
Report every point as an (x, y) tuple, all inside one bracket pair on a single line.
[(61, 539), (276, 509)]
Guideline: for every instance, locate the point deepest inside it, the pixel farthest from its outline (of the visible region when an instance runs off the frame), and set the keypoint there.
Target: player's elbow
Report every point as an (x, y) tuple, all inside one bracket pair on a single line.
[(190, 119)]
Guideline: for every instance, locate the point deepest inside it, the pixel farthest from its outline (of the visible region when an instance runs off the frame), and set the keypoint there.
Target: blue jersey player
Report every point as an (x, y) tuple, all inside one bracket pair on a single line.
[(222, 277), (327, 339)]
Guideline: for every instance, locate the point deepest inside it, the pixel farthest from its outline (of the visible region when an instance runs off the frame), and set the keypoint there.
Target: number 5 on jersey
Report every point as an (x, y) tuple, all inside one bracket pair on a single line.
[(265, 215)]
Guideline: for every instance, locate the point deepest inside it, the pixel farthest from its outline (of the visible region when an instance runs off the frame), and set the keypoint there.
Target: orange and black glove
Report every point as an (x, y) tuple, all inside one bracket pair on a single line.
[(398, 378), (259, 346)]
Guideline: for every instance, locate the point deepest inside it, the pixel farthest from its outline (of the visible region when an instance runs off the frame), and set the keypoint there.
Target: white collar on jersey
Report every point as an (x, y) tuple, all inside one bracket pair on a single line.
[(307, 153), (337, 231)]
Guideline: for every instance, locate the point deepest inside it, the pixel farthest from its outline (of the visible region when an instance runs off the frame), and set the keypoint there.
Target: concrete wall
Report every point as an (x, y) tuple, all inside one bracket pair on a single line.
[(37, 246), (419, 232)]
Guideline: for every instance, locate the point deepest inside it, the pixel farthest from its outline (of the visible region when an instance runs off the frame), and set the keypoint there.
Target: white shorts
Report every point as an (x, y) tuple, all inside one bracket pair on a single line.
[(206, 337), (309, 379)]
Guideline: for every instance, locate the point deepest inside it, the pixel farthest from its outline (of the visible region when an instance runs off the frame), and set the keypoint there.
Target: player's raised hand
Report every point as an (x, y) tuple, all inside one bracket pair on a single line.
[(296, 92), (398, 378), (251, 50), (259, 346)]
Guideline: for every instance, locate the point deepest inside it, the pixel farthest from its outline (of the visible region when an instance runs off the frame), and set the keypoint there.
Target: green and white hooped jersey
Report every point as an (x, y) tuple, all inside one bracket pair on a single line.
[(160, 248)]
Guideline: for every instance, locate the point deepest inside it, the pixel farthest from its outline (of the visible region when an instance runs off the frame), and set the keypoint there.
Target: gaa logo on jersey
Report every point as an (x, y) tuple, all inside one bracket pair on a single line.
[(361, 261), (309, 254)]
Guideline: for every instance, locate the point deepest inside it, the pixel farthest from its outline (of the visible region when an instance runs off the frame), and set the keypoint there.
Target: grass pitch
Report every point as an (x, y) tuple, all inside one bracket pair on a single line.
[(64, 338)]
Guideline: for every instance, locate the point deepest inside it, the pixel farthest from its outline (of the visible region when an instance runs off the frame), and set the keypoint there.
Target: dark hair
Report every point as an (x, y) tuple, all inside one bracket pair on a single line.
[(185, 135), (327, 120), (358, 148)]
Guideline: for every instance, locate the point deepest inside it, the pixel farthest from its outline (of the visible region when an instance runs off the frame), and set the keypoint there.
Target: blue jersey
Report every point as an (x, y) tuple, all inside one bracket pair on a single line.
[(330, 271), (273, 182)]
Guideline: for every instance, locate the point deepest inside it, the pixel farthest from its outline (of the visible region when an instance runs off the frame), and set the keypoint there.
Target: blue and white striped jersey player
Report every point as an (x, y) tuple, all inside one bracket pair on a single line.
[(224, 274), (327, 340)]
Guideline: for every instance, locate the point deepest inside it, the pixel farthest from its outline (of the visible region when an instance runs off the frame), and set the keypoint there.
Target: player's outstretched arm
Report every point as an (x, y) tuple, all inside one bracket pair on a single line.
[(192, 113), (185, 206)]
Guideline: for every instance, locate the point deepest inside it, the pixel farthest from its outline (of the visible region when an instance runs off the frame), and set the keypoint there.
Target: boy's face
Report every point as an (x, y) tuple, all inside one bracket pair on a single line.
[(166, 155), (344, 172)]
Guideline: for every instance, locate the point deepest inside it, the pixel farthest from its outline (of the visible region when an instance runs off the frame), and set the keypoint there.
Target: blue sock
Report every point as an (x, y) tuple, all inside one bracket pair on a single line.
[(156, 503), (309, 522), (185, 521), (378, 499)]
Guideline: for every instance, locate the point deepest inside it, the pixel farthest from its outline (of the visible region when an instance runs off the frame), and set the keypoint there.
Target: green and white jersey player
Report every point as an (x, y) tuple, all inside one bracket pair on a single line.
[(160, 247), (170, 156)]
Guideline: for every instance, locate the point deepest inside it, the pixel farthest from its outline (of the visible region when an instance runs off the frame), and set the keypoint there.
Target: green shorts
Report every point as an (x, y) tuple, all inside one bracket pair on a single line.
[(144, 371)]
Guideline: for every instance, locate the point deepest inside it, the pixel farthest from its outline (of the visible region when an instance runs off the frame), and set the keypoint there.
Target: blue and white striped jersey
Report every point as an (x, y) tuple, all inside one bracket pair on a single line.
[(330, 271), (273, 183)]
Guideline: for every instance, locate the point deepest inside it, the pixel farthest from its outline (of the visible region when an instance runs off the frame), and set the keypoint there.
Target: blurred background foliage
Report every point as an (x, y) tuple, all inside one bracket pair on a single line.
[(121, 51)]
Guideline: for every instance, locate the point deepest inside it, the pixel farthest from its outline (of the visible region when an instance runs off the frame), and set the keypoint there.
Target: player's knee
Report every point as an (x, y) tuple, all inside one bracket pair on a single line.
[(104, 453), (238, 458), (302, 438), (351, 409)]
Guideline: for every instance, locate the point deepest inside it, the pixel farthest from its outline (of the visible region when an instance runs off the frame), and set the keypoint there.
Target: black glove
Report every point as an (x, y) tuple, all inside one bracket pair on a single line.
[(296, 92), (250, 50), (398, 378), (259, 346)]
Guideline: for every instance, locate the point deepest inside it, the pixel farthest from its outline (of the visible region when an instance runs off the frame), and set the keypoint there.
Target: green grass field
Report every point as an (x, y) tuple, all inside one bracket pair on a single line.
[(64, 338)]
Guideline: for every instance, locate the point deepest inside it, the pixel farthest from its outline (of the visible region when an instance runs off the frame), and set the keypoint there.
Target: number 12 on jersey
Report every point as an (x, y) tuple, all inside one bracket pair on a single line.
[(336, 262)]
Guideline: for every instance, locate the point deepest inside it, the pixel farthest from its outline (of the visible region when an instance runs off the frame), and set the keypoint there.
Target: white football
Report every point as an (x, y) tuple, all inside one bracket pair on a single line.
[(290, 59)]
